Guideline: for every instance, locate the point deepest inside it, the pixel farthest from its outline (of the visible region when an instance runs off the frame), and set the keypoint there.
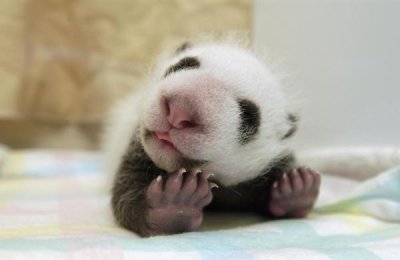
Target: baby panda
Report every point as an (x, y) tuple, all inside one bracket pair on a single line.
[(209, 131)]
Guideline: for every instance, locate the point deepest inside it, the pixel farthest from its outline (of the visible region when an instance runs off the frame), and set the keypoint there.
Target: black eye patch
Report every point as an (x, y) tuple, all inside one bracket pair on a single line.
[(184, 64), (250, 120)]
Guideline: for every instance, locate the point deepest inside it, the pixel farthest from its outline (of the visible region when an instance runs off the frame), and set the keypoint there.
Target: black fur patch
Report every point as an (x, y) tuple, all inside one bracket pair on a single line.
[(183, 47), (252, 195), (184, 64), (250, 120), (293, 120), (130, 184)]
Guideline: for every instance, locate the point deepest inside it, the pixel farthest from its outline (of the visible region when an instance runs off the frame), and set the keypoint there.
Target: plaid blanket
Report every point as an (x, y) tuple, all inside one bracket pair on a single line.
[(53, 205)]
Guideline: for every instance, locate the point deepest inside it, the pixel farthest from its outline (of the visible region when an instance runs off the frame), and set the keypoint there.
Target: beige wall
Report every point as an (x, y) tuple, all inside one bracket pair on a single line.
[(64, 62)]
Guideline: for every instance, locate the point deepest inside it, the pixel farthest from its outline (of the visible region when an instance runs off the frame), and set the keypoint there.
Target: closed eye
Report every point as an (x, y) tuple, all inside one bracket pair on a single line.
[(250, 120), (183, 64)]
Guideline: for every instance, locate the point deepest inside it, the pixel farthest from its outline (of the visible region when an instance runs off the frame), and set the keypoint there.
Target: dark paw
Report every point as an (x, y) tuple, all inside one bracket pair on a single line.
[(178, 205), (295, 193)]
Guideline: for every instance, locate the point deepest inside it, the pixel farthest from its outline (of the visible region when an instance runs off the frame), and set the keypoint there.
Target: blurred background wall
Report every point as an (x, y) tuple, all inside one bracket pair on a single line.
[(64, 62), (342, 58)]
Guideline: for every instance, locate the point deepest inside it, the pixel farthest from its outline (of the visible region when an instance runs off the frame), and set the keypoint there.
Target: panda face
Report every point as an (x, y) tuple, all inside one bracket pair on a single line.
[(191, 119), (212, 107)]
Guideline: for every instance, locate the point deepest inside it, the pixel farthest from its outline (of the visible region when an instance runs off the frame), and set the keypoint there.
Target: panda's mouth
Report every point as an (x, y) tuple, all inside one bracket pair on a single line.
[(165, 141)]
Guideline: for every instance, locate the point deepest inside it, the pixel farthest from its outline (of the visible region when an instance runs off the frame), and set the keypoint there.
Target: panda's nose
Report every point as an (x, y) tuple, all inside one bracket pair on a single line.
[(178, 116)]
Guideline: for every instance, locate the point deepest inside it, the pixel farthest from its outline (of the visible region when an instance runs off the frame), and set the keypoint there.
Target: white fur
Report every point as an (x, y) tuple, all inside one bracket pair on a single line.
[(227, 73), (119, 130)]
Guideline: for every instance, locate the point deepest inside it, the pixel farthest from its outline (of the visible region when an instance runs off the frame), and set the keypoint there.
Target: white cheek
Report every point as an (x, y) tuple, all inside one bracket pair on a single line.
[(120, 129)]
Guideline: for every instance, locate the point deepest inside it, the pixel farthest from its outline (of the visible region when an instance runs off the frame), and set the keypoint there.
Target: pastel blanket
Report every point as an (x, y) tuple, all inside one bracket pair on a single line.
[(53, 205)]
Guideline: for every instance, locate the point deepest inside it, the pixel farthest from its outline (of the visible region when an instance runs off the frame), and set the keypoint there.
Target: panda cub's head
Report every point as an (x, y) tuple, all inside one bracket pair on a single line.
[(217, 107)]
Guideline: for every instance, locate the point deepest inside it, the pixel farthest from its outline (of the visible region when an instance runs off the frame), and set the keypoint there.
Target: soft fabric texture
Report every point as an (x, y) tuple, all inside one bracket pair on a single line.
[(60, 210)]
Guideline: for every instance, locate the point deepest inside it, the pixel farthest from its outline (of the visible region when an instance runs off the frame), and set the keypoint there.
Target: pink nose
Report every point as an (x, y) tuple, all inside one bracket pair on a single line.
[(178, 116)]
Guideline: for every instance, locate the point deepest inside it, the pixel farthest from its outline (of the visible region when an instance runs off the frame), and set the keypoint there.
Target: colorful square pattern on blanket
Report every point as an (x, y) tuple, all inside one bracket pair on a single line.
[(67, 216)]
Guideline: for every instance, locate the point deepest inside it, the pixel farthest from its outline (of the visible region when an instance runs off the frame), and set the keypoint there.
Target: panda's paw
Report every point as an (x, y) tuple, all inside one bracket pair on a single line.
[(294, 194), (177, 205)]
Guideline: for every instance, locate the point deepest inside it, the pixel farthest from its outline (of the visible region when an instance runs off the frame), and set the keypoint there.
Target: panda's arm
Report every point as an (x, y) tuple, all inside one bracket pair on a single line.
[(129, 190), (150, 201)]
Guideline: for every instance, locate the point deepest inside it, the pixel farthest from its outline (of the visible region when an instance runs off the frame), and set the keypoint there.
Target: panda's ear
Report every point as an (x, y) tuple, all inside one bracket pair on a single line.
[(292, 120), (184, 46)]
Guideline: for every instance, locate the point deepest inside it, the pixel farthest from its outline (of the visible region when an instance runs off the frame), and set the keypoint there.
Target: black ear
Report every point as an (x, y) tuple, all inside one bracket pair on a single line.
[(293, 126), (184, 46)]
